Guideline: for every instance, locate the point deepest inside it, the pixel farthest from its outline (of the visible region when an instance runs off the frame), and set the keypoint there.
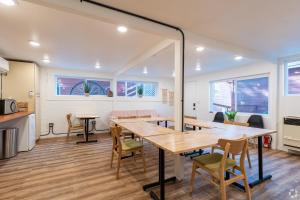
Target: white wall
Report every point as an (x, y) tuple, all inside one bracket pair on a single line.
[(288, 105), (203, 87), (54, 108)]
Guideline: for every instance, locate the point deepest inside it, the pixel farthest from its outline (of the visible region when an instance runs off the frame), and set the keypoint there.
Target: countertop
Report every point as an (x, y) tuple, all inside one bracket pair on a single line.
[(9, 117)]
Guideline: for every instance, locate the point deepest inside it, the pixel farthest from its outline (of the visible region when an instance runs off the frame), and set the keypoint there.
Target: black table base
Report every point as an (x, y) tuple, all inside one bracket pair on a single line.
[(161, 180), (261, 177), (86, 132)]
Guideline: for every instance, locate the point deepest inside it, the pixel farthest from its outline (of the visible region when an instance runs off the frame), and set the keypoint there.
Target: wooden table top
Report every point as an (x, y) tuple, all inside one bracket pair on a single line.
[(194, 140), (189, 121), (145, 129), (86, 116), (183, 142), (144, 119), (228, 131), (13, 116), (178, 142)]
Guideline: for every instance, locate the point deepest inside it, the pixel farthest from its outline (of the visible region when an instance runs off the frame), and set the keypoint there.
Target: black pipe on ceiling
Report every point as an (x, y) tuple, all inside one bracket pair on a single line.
[(156, 22)]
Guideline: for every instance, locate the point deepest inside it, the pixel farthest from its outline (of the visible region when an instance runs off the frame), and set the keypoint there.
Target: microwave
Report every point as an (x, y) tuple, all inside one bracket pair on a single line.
[(8, 106)]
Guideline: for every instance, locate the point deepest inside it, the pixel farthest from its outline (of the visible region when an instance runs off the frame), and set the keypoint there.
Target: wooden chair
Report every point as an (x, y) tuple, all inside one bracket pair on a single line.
[(217, 164), (241, 124), (127, 134), (72, 127), (124, 147)]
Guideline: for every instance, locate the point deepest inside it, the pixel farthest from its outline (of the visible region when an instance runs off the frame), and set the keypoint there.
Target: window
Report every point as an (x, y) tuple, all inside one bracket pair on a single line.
[(292, 78), (248, 95), (74, 86), (129, 88)]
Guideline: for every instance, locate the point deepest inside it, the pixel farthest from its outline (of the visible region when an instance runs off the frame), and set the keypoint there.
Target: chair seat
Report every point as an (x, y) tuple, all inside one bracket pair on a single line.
[(130, 144), (213, 161), (77, 126)]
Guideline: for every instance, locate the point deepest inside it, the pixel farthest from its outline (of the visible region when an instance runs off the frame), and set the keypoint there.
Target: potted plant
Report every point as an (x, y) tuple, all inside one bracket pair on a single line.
[(230, 115), (140, 90), (87, 89)]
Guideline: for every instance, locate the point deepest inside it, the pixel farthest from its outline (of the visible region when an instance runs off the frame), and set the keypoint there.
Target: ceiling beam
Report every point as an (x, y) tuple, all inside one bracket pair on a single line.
[(144, 56)]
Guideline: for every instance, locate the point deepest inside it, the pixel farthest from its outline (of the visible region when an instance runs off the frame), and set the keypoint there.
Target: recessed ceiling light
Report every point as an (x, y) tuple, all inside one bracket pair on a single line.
[(198, 67), (46, 59), (97, 66), (145, 71), (34, 43), (238, 57), (199, 49), (173, 74), (8, 2), (122, 29)]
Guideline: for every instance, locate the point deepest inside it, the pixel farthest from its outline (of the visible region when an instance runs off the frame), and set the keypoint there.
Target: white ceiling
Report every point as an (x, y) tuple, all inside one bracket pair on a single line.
[(269, 27), (210, 60), (71, 41)]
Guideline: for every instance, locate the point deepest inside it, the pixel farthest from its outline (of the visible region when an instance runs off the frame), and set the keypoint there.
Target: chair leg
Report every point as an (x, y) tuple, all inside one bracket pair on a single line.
[(112, 158), (144, 162), (247, 188), (248, 158), (193, 177), (222, 189), (118, 167)]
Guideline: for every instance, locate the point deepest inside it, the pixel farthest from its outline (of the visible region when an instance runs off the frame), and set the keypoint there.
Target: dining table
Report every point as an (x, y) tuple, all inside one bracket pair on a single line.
[(86, 118), (178, 142)]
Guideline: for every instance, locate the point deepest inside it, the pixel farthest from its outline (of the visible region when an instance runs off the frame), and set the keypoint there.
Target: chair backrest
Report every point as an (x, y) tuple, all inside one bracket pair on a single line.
[(240, 124), (145, 116), (256, 121), (234, 147), (219, 117), (126, 117), (68, 116), (190, 117), (115, 133)]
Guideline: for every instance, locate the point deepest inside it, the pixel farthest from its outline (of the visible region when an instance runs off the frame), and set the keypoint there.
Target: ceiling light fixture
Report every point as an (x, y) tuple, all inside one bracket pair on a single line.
[(122, 29), (97, 66), (297, 72), (200, 49), (238, 57), (8, 2), (34, 43), (173, 74), (198, 67), (46, 59), (145, 71)]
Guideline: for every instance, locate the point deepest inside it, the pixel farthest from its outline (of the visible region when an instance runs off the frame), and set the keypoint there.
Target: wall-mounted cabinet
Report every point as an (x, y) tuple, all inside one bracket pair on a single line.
[(22, 84)]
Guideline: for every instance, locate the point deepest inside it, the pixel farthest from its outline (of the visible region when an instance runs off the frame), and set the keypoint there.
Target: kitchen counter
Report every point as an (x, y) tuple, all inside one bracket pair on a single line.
[(17, 115)]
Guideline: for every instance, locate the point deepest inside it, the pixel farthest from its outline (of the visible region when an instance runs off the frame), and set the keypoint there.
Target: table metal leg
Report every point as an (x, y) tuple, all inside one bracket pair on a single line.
[(166, 124), (161, 182), (86, 132), (261, 177)]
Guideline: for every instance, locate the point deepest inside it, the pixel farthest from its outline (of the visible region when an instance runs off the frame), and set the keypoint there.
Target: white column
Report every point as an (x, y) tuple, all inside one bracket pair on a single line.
[(179, 160)]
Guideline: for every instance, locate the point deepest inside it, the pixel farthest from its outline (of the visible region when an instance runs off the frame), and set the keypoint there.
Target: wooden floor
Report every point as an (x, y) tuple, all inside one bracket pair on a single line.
[(60, 169)]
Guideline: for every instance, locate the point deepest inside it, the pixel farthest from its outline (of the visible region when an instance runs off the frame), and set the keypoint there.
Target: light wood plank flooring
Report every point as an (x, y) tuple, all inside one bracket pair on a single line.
[(61, 170)]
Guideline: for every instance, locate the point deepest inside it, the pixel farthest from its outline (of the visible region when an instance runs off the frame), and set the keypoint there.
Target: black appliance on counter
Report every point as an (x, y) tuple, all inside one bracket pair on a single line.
[(8, 106)]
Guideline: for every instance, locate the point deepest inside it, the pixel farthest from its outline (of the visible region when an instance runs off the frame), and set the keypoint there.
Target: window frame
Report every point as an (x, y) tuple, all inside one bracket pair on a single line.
[(211, 93), (286, 76), (137, 82), (84, 79)]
